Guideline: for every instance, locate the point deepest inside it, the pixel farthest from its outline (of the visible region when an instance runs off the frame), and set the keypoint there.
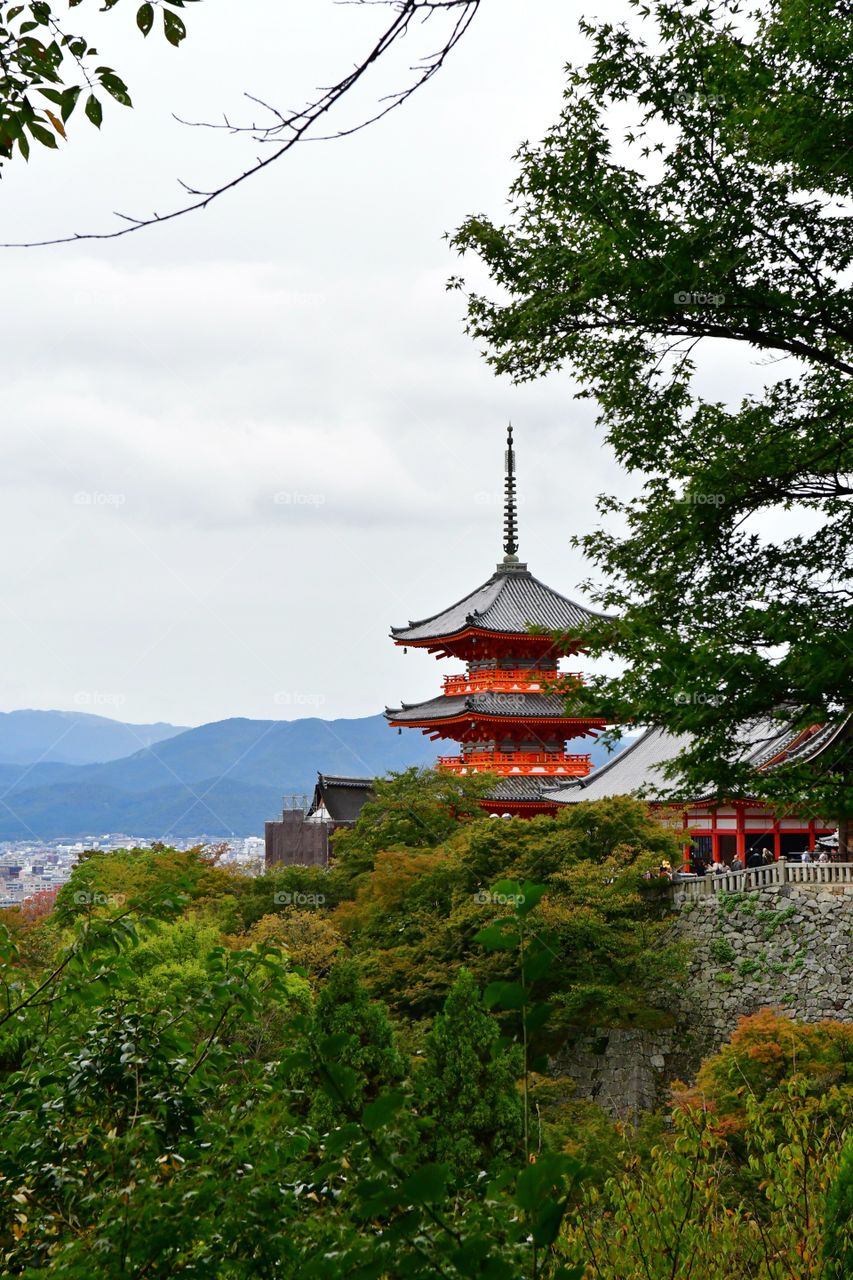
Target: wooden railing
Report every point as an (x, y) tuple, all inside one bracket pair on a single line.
[(518, 680), (518, 762), (686, 889)]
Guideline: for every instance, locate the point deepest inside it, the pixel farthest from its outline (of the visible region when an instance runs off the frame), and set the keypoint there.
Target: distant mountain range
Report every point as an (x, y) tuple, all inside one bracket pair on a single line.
[(221, 779), (74, 737)]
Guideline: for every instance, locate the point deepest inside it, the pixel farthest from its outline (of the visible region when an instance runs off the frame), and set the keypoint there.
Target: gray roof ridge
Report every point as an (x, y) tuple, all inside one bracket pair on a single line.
[(343, 778), (421, 622), (620, 755)]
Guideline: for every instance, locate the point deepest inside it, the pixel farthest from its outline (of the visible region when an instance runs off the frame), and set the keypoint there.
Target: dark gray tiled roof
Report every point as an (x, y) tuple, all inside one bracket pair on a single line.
[(511, 705), (342, 798), (639, 768), (523, 788), (512, 601)]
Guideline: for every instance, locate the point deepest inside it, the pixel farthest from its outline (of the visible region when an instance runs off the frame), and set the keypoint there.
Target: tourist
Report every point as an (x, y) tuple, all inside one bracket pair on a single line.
[(665, 869), (737, 864), (824, 856), (720, 868), (755, 859), (767, 856), (806, 856)]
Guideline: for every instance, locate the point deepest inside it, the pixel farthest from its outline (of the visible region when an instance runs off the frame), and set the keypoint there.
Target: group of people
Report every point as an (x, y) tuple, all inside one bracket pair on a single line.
[(702, 865)]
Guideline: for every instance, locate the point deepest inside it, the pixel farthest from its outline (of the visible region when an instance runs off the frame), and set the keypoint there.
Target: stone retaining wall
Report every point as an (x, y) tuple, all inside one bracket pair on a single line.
[(787, 946)]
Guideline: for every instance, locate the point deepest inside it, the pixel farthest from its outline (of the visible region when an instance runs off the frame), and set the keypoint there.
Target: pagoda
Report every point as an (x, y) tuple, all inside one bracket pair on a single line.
[(510, 709)]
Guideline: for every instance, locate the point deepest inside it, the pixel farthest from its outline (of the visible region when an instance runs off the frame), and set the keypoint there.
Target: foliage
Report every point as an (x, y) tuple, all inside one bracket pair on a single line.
[(466, 1085), (767, 1049), (311, 940), (415, 809), (415, 916), (44, 70), (838, 1244), (364, 1044), (149, 1129), (164, 879), (283, 890), (673, 1216), (721, 213)]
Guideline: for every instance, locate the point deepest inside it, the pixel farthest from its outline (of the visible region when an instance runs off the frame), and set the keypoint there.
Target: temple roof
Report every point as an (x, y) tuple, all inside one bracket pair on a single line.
[(523, 788), (508, 706), (640, 767), (510, 602), (342, 798)]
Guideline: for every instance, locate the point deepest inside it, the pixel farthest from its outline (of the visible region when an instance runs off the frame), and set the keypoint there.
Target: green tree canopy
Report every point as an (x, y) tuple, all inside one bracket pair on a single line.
[(467, 1083), (696, 188)]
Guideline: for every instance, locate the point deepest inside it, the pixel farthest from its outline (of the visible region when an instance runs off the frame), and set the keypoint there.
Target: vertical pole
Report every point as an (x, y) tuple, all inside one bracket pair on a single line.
[(715, 843), (740, 836), (811, 835)]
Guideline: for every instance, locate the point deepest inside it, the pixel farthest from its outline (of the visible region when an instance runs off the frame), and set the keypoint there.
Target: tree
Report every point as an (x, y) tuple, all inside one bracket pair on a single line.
[(415, 915), (678, 1214), (722, 214), (41, 62), (311, 940), (415, 809), (467, 1084), (344, 1012), (53, 66), (839, 1213)]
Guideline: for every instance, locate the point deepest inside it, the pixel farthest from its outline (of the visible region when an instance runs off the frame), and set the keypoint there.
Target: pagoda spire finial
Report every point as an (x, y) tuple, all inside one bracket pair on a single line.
[(510, 520)]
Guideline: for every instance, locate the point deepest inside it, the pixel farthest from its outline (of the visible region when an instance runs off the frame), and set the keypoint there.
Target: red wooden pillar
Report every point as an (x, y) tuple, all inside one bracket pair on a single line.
[(686, 844), (777, 840), (740, 833), (811, 836)]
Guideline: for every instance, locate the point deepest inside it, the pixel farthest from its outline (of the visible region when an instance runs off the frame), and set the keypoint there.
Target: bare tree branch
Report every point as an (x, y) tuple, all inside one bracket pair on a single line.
[(291, 127)]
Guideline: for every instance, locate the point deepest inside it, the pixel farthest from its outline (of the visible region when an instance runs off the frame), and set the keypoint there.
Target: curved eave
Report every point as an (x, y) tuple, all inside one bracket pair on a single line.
[(436, 643), (478, 717)]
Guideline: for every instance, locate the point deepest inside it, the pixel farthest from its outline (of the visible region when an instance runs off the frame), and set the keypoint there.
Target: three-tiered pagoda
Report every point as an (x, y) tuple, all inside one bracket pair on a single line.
[(508, 709)]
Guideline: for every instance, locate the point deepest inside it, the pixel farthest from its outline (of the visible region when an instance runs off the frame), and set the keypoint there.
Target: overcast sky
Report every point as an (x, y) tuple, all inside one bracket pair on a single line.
[(236, 448)]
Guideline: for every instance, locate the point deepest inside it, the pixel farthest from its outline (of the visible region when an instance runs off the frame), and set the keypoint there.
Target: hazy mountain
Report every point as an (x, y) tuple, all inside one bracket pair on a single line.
[(73, 737), (221, 778)]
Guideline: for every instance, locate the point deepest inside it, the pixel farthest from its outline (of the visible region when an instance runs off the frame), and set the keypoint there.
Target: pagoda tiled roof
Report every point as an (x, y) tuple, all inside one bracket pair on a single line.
[(510, 602), (523, 788), (509, 706)]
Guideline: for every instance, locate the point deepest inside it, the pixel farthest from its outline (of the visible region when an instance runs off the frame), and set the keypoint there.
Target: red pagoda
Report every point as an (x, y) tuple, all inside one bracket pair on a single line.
[(508, 709)]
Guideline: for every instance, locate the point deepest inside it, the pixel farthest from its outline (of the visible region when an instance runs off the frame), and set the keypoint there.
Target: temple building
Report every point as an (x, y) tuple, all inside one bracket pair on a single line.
[(715, 829), (510, 709), (300, 837)]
